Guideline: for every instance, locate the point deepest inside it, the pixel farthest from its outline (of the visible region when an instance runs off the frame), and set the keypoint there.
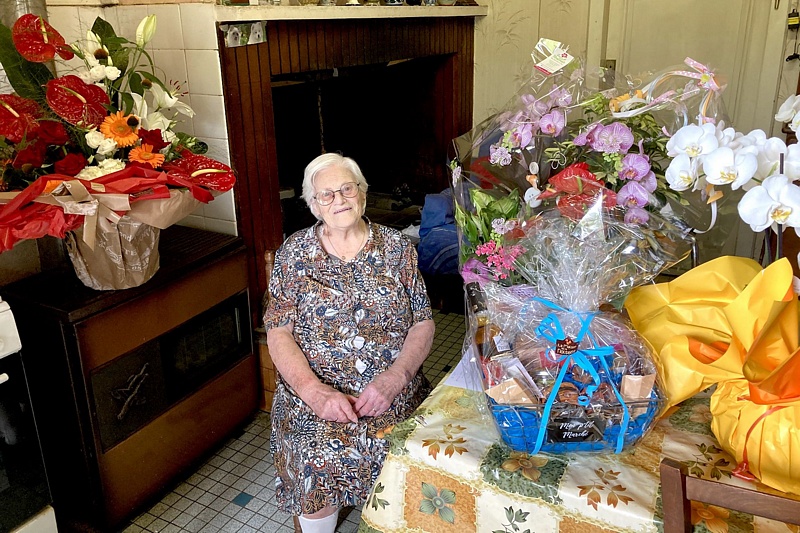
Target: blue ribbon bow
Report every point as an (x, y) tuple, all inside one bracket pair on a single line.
[(550, 328)]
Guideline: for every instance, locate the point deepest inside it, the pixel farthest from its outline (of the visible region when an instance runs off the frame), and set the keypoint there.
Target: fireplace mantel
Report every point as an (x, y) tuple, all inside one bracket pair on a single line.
[(246, 13)]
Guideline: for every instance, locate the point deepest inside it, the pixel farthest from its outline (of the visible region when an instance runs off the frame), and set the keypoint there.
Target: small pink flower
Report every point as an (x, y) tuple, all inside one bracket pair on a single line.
[(486, 248)]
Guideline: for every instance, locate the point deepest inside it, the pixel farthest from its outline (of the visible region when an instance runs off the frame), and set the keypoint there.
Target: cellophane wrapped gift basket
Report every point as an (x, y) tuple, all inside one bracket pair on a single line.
[(563, 206)]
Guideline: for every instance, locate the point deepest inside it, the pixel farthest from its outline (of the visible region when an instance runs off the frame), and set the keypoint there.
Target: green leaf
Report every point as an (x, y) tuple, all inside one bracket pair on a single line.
[(135, 83), (127, 102), (27, 78), (448, 496), (427, 507), (429, 491), (105, 31), (447, 515), (510, 514), (379, 488)]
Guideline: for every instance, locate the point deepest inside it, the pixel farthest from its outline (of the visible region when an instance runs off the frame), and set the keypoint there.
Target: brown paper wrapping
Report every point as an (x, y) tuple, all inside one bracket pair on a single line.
[(164, 212), (125, 254)]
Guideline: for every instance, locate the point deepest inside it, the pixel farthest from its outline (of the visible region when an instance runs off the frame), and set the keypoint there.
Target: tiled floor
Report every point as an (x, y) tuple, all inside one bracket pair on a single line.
[(233, 491)]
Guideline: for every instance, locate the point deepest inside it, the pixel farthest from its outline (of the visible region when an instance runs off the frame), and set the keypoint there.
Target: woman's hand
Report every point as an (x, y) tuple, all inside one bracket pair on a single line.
[(379, 395), (330, 404), (326, 402)]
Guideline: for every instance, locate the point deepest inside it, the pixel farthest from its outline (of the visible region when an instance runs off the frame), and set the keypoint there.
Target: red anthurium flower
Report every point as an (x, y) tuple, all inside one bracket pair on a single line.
[(575, 179), (18, 117), (76, 102), (202, 170), (71, 164), (38, 41), (53, 132), (153, 138), (574, 206)]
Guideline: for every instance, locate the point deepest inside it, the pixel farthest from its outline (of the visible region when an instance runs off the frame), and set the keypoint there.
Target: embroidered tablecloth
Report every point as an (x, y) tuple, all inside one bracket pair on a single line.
[(449, 471)]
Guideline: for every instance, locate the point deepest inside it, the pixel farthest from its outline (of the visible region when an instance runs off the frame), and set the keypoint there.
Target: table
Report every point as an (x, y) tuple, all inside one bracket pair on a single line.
[(448, 471)]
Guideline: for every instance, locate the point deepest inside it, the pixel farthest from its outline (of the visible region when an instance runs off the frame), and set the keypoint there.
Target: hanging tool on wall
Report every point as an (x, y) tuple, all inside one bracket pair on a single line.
[(793, 22)]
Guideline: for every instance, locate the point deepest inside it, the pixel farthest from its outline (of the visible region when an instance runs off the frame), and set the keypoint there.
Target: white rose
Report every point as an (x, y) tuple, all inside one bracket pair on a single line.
[(97, 73), (107, 146), (94, 138), (111, 165), (89, 173), (86, 77), (112, 73)]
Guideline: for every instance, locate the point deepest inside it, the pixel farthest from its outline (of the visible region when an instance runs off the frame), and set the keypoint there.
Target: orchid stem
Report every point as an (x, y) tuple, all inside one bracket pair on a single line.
[(767, 246), (779, 252)]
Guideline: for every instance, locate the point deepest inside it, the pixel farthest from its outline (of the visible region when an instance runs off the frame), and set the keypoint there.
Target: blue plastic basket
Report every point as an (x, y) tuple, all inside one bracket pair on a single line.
[(519, 426)]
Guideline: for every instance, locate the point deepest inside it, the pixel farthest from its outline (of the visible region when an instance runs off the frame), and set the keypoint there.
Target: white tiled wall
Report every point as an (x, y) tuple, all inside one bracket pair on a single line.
[(184, 50)]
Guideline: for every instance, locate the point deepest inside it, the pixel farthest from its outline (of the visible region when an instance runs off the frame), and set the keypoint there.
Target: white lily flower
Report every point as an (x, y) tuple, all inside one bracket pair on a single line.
[(775, 201), (693, 140), (156, 120), (94, 138), (788, 109), (680, 173), (145, 30), (723, 166), (139, 107), (90, 48), (168, 100)]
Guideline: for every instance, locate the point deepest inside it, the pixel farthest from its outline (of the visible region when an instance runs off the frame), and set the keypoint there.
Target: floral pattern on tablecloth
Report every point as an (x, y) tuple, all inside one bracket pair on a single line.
[(483, 486)]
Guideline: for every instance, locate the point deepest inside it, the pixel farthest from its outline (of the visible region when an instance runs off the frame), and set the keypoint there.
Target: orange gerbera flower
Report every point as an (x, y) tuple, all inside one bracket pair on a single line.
[(121, 128), (145, 154)]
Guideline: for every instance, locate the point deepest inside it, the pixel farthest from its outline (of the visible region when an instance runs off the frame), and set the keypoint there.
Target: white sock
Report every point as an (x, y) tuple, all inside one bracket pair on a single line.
[(319, 525)]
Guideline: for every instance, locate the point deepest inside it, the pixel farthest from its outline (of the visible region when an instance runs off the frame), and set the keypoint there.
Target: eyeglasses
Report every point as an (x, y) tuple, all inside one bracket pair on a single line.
[(326, 196)]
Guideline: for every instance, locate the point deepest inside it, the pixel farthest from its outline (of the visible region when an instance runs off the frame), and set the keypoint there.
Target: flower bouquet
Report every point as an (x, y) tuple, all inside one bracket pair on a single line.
[(93, 156), (561, 210)]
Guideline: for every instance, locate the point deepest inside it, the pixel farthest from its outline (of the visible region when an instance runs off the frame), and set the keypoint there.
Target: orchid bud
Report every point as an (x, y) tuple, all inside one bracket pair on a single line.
[(145, 31)]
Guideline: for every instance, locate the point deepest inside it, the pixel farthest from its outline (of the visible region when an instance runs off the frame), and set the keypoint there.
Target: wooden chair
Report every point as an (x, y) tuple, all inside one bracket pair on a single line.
[(678, 489)]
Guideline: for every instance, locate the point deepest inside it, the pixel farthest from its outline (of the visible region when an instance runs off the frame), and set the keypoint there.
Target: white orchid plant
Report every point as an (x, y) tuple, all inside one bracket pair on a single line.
[(707, 157)]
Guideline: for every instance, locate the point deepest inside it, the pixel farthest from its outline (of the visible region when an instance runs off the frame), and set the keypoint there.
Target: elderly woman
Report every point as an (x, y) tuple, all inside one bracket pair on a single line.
[(348, 327)]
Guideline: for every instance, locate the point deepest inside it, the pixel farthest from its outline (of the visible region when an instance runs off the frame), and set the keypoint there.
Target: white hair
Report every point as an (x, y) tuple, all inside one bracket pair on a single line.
[(324, 162)]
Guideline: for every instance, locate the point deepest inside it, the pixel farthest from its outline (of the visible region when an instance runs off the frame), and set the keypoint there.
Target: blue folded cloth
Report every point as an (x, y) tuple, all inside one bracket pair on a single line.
[(438, 246)]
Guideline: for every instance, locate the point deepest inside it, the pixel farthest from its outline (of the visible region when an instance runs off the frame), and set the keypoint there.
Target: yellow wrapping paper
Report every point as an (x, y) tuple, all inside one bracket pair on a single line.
[(686, 322), (773, 447), (731, 323)]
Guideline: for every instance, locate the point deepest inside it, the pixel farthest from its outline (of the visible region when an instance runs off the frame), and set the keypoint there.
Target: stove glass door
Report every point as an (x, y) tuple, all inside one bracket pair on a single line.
[(23, 483)]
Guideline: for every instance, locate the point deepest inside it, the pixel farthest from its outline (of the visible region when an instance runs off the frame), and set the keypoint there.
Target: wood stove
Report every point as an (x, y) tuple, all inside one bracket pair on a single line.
[(132, 387)]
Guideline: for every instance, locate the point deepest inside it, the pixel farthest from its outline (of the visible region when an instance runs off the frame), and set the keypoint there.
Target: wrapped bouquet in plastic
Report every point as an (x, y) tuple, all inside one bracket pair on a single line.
[(562, 207)]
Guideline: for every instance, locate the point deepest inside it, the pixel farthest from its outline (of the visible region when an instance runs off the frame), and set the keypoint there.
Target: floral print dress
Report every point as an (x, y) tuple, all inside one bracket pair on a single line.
[(350, 319)]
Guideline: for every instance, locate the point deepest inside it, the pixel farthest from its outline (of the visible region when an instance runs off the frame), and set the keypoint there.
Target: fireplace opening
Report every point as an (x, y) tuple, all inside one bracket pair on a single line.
[(388, 117)]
